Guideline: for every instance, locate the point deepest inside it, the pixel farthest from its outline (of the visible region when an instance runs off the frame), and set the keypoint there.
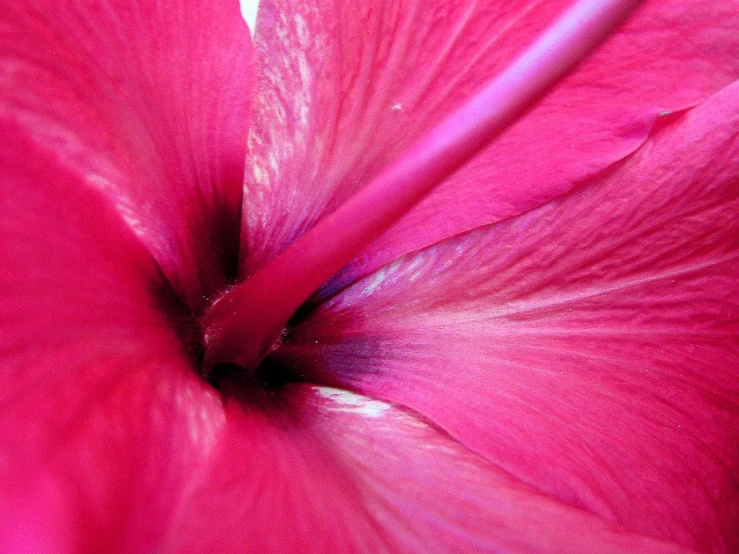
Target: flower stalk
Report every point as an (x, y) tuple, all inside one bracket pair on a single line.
[(243, 325)]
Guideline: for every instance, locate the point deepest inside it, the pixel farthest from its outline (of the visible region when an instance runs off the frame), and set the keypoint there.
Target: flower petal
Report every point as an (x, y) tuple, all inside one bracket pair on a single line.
[(102, 418), (151, 102), (338, 472), (589, 347), (344, 89)]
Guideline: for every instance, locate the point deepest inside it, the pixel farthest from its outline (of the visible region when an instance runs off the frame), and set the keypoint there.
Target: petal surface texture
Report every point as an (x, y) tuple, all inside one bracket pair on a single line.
[(123, 127), (344, 89), (102, 418), (150, 101), (558, 376), (589, 347), (334, 471)]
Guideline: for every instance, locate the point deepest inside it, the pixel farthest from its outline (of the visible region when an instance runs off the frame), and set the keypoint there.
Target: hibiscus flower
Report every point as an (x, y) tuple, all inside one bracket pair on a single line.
[(541, 356)]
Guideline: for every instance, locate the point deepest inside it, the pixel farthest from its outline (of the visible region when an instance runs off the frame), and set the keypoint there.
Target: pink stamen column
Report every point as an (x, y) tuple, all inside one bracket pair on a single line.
[(243, 325)]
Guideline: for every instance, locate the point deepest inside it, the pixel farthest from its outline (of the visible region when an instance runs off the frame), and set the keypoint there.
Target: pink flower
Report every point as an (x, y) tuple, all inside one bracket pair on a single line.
[(540, 357)]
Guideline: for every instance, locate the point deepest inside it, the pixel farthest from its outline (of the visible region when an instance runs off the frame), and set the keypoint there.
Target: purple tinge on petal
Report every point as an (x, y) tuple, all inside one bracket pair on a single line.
[(344, 89), (588, 347), (150, 102)]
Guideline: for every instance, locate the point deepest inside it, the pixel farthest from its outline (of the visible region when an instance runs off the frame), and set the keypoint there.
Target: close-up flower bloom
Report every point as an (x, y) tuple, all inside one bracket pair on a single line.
[(540, 355)]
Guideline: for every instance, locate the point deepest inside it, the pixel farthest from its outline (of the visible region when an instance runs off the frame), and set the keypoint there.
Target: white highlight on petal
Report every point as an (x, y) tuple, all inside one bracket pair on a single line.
[(346, 401), (377, 279), (204, 416), (249, 13)]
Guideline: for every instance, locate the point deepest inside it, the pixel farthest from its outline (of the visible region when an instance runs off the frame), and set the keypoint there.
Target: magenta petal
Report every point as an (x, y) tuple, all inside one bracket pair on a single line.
[(150, 101), (102, 419), (338, 472), (588, 347), (344, 90)]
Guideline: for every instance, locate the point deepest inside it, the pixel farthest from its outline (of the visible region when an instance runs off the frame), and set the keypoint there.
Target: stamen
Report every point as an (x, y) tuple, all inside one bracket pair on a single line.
[(245, 323)]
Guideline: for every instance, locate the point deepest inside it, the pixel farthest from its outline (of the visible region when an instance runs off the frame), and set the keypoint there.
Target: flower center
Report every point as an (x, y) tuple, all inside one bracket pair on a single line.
[(248, 321)]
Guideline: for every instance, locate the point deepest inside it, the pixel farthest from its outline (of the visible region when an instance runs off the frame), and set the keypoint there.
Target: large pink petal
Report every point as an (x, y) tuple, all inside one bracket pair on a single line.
[(331, 471), (344, 88), (102, 418), (589, 347), (150, 101)]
